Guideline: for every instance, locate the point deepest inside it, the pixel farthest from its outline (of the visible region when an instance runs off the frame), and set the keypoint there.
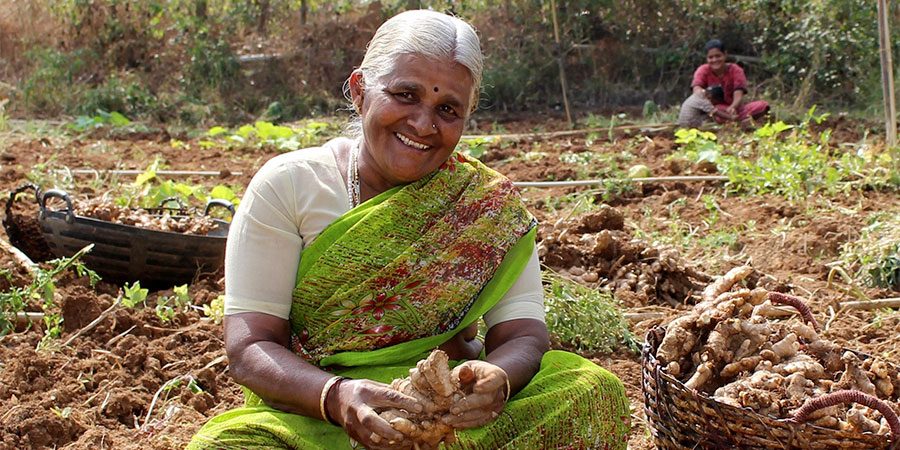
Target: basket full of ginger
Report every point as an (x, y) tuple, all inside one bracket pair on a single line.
[(728, 374)]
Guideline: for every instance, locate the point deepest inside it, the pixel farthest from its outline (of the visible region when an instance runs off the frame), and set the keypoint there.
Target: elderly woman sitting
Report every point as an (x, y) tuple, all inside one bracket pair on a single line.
[(348, 263)]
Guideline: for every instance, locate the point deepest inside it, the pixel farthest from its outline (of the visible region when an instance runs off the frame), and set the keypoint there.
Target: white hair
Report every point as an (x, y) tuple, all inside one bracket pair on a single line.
[(427, 33)]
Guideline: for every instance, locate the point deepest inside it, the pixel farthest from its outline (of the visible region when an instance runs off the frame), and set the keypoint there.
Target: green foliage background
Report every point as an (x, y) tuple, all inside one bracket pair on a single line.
[(181, 60)]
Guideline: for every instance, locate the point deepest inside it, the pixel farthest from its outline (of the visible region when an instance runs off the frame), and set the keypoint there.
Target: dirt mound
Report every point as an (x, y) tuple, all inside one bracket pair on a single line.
[(598, 250), (132, 378), (21, 223)]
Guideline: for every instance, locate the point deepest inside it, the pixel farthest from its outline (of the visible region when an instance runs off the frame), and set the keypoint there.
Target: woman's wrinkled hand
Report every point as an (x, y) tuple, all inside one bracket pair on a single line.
[(355, 405), (485, 396), (732, 110), (464, 345)]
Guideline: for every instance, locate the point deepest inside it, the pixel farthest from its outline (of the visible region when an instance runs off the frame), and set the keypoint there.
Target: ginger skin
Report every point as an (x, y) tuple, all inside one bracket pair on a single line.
[(431, 383), (884, 376), (680, 339), (854, 377), (725, 283), (730, 346), (700, 377)]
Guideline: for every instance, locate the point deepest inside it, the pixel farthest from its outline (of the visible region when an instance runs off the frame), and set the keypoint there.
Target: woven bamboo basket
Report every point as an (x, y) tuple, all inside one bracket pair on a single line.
[(683, 418)]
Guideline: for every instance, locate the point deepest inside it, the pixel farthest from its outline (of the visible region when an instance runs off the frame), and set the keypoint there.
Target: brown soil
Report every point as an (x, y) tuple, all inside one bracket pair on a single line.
[(98, 391)]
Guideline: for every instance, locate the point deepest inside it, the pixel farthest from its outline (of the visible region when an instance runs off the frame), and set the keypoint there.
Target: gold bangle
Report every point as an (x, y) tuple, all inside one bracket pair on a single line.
[(508, 387), (325, 389)]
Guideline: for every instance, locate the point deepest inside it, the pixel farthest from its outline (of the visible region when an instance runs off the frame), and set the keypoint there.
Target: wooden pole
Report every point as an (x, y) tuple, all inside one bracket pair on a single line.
[(868, 305), (577, 183), (168, 173), (560, 56), (887, 73), (649, 127)]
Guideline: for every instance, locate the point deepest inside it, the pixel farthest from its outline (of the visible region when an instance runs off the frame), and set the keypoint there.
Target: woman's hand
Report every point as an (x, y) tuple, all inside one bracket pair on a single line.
[(355, 404), (485, 398), (464, 345), (735, 103)]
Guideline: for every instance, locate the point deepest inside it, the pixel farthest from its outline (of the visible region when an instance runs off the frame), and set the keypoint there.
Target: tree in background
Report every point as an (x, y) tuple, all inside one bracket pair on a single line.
[(188, 59)]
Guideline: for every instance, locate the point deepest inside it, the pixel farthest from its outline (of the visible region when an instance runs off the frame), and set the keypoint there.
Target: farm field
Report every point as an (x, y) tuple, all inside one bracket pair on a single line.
[(803, 203)]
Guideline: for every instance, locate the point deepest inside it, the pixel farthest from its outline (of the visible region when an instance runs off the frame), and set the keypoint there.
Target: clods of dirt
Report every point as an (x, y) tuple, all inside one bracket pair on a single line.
[(597, 250)]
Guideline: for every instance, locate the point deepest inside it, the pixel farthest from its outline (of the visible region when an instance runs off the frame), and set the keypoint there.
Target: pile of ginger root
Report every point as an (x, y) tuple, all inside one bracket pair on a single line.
[(437, 389), (729, 346), (105, 208)]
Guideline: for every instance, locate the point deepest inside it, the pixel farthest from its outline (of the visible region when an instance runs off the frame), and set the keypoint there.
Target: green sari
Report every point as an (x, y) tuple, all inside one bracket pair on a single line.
[(401, 274)]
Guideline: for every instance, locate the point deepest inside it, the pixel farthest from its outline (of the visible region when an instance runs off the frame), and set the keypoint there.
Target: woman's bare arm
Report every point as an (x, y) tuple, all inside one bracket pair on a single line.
[(738, 97), (517, 346), (259, 358)]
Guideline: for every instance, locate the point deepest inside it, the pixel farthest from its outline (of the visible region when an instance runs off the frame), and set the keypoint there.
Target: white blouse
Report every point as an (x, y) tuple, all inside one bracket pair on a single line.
[(290, 201)]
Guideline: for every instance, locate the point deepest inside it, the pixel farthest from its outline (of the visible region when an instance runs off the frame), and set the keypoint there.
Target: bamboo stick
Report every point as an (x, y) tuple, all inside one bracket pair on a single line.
[(20, 257), (868, 305), (553, 134), (569, 183), (23, 317), (560, 59), (201, 173), (574, 183), (887, 73)]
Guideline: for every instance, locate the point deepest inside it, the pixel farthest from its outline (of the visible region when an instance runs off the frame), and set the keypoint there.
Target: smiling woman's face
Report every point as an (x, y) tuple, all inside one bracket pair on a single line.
[(716, 59), (412, 117)]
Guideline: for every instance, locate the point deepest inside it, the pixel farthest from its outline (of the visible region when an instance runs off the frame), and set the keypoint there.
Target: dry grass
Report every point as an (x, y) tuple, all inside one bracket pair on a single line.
[(23, 25)]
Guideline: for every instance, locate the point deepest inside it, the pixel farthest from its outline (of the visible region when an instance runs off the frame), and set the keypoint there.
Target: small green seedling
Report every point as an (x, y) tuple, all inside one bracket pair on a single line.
[(134, 294), (167, 306), (215, 310)]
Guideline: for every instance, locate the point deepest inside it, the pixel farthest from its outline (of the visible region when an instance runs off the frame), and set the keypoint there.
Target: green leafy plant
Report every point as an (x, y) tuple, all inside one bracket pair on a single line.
[(266, 134), (167, 306), (789, 161), (584, 319), (498, 128), (124, 92), (62, 413), (134, 294), (474, 147), (772, 129), (594, 121), (697, 145), (726, 238), (51, 86), (53, 321), (149, 190), (874, 258), (215, 310), (712, 209), (101, 119), (42, 288)]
